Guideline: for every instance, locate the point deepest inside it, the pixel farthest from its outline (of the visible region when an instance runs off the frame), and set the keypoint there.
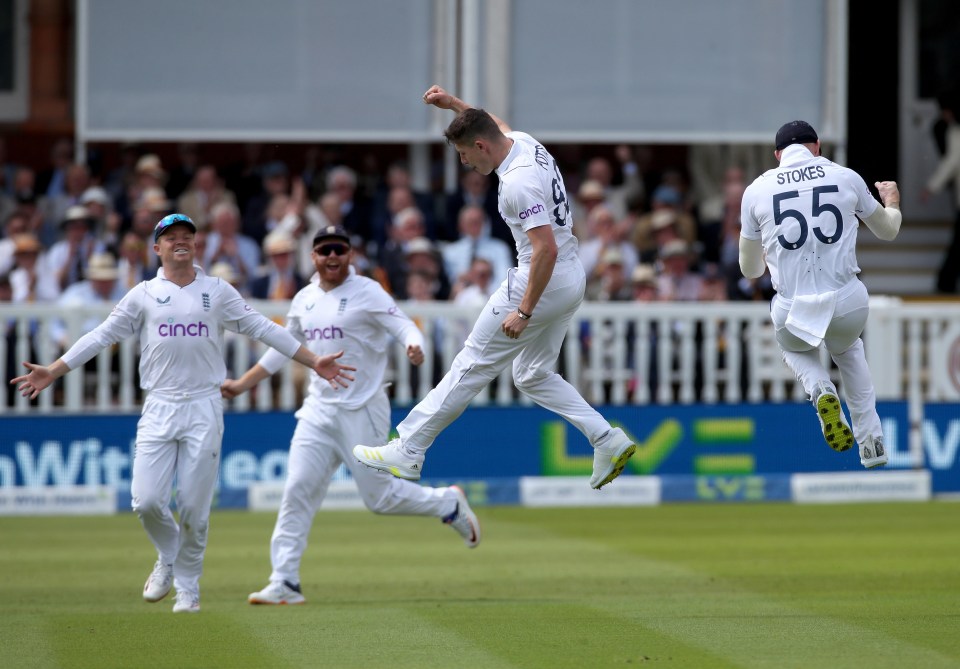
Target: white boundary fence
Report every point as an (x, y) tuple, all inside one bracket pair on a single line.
[(615, 353)]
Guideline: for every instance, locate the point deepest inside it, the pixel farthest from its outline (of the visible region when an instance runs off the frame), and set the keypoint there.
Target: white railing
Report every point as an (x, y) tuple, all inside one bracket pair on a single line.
[(615, 353)]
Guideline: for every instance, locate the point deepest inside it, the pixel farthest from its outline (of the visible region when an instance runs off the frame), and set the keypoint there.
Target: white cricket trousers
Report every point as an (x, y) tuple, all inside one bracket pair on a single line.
[(321, 442), (842, 341), (488, 351), (182, 438)]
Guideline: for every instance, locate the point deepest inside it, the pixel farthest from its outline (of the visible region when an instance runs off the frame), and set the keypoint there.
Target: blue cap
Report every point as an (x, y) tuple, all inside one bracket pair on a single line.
[(171, 220)]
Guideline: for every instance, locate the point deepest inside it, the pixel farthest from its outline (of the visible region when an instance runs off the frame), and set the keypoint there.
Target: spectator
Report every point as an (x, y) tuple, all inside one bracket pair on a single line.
[(665, 199), (407, 226), (132, 267), (612, 280), (479, 190), (381, 217), (76, 181), (226, 244), (354, 208), (280, 279), (677, 282), (275, 181), (204, 192), (14, 224), (643, 281), (421, 257), (51, 182), (589, 196), (100, 287), (604, 237), (476, 242), (185, 171), (67, 259), (617, 198), (106, 222), (474, 287), (30, 280)]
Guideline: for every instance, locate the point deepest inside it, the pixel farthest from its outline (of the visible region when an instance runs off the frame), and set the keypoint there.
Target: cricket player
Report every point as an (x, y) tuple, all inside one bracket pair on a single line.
[(526, 319), (339, 310), (180, 317), (800, 220)]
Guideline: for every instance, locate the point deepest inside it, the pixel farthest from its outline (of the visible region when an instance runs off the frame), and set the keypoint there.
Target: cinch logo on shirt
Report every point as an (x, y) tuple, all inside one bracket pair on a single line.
[(332, 332), (172, 329), (535, 209)]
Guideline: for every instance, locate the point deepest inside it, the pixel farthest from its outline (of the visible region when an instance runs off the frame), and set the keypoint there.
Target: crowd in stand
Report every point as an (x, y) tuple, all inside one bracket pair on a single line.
[(68, 230)]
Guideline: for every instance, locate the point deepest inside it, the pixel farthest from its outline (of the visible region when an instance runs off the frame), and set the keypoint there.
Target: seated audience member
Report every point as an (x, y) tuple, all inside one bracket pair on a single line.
[(275, 181), (643, 282), (612, 280), (666, 201), (100, 287), (206, 191), (67, 259), (476, 242), (14, 224), (408, 225), (381, 216), (677, 282), (226, 244), (421, 257), (132, 267), (30, 279), (478, 190), (106, 222), (589, 197), (475, 286), (354, 207), (279, 279), (604, 237)]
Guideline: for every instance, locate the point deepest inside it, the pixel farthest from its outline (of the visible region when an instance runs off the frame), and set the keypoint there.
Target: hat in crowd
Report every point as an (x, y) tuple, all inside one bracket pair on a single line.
[(665, 194), (96, 195), (154, 199), (331, 232), (795, 132), (273, 169), (26, 196), (674, 248), (169, 221), (644, 275), (591, 190), (612, 256), (419, 245), (150, 164), (277, 242), (26, 242), (76, 213), (662, 218), (224, 271), (102, 267)]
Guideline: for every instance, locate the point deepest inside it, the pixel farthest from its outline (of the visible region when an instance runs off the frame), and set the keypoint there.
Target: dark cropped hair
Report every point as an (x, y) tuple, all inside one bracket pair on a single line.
[(471, 124)]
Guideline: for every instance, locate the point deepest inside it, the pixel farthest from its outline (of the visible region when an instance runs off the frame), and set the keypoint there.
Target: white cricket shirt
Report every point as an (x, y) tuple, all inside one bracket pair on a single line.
[(181, 333), (805, 214), (532, 194), (356, 317)]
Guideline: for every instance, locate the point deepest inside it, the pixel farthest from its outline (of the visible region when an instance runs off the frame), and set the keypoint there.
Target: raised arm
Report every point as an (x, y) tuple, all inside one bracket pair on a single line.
[(438, 97)]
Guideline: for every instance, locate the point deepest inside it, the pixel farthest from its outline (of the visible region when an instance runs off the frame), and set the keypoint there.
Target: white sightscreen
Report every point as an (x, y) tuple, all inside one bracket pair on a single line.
[(254, 69), (680, 70)]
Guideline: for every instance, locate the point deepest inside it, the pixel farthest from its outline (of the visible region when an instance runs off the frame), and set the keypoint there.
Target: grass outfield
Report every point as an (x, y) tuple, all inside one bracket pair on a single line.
[(704, 586)]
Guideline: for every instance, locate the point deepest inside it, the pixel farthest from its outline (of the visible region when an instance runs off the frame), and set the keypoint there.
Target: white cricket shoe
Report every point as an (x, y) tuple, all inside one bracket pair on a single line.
[(389, 459), (277, 592), (186, 602), (872, 453), (833, 423), (158, 582), (610, 456), (464, 520)]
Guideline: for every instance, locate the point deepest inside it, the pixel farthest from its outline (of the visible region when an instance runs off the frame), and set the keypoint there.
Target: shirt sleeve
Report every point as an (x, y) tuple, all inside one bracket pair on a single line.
[(866, 202), (273, 360), (386, 312), (524, 196), (749, 225), (123, 322), (239, 316)]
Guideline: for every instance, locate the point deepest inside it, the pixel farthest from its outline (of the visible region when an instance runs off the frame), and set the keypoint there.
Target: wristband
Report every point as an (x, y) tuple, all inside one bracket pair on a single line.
[(522, 315)]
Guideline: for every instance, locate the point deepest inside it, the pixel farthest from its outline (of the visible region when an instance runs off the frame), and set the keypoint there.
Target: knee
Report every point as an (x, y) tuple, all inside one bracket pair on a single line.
[(149, 505), (380, 504), (525, 378)]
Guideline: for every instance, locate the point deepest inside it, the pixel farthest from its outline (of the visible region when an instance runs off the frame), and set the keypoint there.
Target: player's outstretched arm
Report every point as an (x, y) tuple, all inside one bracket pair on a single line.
[(39, 377), (232, 388), (885, 221), (438, 97), (326, 366)]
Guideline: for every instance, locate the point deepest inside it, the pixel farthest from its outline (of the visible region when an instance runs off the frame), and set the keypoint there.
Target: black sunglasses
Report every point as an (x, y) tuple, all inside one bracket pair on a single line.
[(327, 249)]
